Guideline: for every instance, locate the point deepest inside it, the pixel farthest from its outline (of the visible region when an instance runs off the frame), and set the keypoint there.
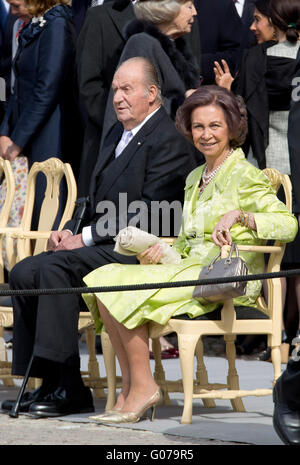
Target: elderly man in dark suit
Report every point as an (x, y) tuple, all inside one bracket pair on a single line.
[(99, 48), (152, 167)]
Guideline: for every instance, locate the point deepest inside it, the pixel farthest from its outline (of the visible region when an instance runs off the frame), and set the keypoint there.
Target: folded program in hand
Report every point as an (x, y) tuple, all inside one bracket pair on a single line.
[(132, 241)]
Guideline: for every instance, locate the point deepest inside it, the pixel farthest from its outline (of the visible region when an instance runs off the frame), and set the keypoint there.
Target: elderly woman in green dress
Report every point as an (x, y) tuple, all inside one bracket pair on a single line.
[(226, 199)]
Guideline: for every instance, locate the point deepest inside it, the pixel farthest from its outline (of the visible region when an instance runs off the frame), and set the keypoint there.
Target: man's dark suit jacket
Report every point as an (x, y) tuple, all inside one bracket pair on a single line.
[(248, 38), (221, 30), (152, 167), (99, 48), (294, 139), (79, 9)]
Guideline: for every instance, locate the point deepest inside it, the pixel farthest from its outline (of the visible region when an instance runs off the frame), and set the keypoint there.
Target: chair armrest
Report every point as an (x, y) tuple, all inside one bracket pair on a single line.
[(169, 240), (31, 234), (8, 230), (260, 248)]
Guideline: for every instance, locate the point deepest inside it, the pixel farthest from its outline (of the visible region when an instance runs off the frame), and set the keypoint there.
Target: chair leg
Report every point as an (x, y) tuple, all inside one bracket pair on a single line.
[(201, 373), (187, 344), (34, 383), (7, 381), (159, 373), (110, 368), (276, 361), (93, 366), (232, 378), (3, 353)]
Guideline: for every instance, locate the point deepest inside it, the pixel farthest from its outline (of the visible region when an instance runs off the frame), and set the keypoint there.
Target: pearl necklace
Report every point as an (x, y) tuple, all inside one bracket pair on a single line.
[(206, 178)]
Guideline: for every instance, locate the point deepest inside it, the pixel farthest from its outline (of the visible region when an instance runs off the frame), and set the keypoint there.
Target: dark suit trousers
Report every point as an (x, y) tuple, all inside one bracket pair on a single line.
[(47, 325), (290, 381)]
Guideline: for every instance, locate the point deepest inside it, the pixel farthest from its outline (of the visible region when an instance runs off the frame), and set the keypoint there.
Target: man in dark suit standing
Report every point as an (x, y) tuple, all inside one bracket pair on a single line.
[(245, 9), (151, 167), (286, 397), (221, 30), (79, 9)]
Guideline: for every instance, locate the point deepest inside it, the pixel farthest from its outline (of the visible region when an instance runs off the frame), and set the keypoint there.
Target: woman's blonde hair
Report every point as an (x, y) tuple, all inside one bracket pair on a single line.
[(157, 11), (39, 7)]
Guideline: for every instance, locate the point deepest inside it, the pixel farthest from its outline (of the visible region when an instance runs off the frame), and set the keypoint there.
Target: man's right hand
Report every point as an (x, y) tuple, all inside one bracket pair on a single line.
[(56, 237), (151, 256)]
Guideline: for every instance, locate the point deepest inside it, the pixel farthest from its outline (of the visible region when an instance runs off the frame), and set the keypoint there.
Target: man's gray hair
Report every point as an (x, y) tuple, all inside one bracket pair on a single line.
[(150, 74)]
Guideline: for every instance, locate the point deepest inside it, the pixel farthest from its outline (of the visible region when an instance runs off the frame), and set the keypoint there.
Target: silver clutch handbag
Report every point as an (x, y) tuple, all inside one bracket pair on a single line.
[(221, 268)]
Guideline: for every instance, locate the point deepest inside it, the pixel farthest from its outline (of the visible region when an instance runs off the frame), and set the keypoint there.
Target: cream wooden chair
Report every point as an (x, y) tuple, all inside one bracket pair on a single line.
[(33, 242), (228, 322), (7, 173), (91, 377)]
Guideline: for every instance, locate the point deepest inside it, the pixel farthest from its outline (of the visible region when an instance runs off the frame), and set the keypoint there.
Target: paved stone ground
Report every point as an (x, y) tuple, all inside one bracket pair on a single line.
[(28, 431)]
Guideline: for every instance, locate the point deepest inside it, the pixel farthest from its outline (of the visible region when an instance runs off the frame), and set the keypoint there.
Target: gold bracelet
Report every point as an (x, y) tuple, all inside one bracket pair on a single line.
[(244, 219)]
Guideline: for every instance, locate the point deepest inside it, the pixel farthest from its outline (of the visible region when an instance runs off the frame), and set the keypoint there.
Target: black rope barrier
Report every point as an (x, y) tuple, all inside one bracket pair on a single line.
[(136, 287)]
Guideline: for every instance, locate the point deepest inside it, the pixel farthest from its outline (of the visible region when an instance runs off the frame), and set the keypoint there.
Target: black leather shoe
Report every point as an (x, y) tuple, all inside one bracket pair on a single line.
[(286, 422), (62, 402), (28, 398), (265, 355)]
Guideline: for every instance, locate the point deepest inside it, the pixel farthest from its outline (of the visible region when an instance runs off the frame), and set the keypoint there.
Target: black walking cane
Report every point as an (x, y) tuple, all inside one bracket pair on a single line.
[(14, 413), (81, 205)]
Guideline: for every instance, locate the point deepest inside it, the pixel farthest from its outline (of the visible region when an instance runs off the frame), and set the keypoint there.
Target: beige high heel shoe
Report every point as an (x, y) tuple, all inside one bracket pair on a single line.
[(103, 415), (133, 417)]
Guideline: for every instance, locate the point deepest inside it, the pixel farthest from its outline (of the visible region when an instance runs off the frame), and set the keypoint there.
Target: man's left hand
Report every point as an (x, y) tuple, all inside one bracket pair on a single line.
[(70, 242)]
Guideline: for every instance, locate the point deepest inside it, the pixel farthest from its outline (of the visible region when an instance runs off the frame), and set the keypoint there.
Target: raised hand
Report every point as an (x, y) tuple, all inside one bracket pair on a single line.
[(223, 76)]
